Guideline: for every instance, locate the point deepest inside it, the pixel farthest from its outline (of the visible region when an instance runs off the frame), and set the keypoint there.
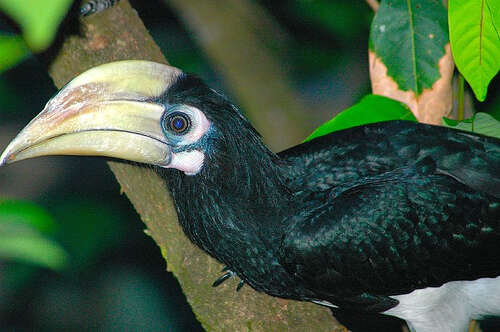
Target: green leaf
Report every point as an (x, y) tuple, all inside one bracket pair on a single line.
[(494, 8), (39, 20), (475, 43), (14, 50), (26, 213), (409, 36), (22, 228), (372, 108), (481, 123), (22, 242)]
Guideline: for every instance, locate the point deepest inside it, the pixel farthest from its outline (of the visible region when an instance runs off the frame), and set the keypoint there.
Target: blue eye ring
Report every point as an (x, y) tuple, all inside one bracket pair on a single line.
[(177, 123)]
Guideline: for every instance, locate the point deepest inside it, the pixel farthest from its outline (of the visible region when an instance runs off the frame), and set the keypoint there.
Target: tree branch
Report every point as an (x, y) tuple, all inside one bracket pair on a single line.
[(118, 34)]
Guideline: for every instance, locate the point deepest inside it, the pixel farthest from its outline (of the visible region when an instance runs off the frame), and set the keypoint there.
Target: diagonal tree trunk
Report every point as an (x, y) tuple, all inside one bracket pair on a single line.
[(118, 34)]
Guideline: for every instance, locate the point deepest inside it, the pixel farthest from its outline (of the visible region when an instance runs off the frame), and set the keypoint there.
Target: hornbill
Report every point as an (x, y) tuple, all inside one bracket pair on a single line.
[(397, 217)]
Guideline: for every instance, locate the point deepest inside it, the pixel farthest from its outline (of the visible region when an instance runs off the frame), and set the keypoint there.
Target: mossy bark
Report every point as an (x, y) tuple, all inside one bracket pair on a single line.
[(118, 34)]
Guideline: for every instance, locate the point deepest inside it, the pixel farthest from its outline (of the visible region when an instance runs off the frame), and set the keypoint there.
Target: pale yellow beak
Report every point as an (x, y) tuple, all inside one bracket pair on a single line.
[(111, 110)]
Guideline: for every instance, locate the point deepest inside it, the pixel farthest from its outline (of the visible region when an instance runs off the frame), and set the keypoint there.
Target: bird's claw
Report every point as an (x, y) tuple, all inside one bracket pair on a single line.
[(95, 6), (240, 284), (224, 277), (227, 275)]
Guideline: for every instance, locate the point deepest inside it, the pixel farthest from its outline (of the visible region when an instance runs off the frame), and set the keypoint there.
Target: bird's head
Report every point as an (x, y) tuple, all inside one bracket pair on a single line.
[(139, 111)]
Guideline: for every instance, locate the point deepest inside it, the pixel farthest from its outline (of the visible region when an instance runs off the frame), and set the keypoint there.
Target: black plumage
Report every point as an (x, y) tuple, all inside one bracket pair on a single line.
[(349, 218), (396, 217)]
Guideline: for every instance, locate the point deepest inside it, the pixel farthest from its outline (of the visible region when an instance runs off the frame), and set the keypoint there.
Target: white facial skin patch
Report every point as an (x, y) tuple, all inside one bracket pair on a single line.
[(190, 162), (199, 125)]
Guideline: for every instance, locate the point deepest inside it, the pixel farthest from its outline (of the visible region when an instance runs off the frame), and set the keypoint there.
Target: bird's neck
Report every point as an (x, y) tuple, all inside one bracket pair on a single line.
[(233, 204)]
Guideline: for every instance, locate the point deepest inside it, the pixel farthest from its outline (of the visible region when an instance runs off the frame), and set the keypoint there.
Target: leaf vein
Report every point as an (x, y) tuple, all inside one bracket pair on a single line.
[(412, 38), (481, 27)]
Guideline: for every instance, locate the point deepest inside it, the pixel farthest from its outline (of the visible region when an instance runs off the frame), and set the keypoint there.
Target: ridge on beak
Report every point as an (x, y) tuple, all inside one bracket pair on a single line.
[(111, 110)]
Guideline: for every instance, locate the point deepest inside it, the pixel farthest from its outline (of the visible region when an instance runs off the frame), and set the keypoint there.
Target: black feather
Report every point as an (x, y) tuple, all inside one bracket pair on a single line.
[(349, 218)]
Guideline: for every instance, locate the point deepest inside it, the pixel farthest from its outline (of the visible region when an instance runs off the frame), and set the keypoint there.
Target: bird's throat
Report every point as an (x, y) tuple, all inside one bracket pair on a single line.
[(225, 207)]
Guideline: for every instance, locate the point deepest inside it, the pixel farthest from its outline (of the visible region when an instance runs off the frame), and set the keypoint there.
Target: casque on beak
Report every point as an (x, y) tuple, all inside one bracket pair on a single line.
[(109, 110)]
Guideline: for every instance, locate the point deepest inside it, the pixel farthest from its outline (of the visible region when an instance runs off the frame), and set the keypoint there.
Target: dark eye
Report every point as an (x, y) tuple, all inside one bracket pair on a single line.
[(178, 123)]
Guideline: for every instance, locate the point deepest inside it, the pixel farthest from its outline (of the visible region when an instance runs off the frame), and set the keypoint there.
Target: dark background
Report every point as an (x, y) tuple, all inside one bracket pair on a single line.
[(116, 279)]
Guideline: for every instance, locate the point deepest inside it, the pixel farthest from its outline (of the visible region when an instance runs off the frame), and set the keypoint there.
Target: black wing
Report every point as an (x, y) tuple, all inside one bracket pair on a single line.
[(351, 154), (420, 214)]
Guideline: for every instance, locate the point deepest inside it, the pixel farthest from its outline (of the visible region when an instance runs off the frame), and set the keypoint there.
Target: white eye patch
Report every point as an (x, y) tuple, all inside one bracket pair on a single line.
[(199, 125), (190, 162)]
